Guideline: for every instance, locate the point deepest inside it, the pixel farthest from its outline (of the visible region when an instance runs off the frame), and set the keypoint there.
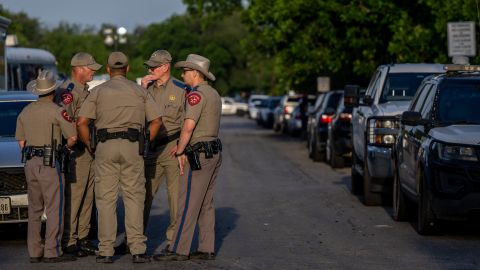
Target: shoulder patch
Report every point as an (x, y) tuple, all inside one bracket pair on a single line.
[(67, 97), (193, 99), (66, 116)]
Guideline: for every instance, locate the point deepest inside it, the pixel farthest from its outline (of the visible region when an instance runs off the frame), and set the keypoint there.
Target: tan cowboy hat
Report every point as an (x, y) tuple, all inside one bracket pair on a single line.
[(197, 62), (44, 84)]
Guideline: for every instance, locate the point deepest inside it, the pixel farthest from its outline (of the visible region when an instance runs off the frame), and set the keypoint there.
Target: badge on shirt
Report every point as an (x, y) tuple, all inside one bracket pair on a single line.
[(67, 98), (66, 116), (172, 98), (193, 99)]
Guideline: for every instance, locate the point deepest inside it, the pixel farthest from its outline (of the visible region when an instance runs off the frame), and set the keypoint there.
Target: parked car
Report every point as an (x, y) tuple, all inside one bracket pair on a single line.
[(297, 124), (339, 140), (311, 115), (231, 107), (265, 112), (253, 101), (319, 124), (283, 112), (13, 185), (375, 125), (437, 153)]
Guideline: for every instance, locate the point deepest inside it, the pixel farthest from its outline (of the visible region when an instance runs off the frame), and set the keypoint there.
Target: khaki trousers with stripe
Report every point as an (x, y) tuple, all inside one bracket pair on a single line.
[(45, 187), (195, 203)]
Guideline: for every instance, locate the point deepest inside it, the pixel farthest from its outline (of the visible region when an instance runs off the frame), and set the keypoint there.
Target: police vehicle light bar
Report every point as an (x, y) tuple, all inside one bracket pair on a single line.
[(453, 68)]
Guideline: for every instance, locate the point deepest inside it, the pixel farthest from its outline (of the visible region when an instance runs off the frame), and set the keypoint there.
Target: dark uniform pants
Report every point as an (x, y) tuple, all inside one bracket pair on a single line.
[(45, 192), (158, 166), (79, 200), (195, 202), (119, 166)]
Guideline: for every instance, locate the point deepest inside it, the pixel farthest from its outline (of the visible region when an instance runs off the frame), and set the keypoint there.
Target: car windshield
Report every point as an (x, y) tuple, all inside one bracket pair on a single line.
[(334, 101), (274, 103), (401, 86), (8, 117), (459, 104)]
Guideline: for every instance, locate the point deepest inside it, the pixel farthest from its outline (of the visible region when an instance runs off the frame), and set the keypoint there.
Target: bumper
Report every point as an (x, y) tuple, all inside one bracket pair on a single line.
[(456, 190), (379, 163), (18, 210)]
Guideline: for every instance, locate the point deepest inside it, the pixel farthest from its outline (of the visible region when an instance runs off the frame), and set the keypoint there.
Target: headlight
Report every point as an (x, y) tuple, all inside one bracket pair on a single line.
[(382, 131), (453, 152)]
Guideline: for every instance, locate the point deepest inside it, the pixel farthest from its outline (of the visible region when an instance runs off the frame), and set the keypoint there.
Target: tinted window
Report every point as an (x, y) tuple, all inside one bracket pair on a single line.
[(401, 86), (427, 106), (459, 103), (274, 103), (421, 97), (9, 112), (334, 100), (293, 99)]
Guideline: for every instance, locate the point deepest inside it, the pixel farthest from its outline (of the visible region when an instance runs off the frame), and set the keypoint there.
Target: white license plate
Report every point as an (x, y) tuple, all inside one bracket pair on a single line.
[(5, 206)]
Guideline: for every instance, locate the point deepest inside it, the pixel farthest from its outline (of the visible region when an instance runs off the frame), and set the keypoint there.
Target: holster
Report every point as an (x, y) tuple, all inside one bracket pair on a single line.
[(193, 157)]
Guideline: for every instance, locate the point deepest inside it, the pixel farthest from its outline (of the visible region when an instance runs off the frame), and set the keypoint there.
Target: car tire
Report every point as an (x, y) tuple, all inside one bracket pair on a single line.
[(313, 150), (357, 179), (336, 161), (369, 198), (426, 222), (400, 207)]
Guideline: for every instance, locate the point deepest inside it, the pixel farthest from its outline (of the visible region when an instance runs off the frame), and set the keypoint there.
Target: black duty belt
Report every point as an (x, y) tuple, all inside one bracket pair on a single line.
[(131, 134), (36, 151), (213, 147), (161, 141)]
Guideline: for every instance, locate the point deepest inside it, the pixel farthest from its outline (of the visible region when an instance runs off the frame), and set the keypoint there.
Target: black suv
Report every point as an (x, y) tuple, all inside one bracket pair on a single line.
[(339, 141), (437, 153)]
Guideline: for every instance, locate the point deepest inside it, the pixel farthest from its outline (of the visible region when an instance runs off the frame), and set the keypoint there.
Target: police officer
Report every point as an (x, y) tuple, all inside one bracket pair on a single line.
[(200, 144), (79, 186), (119, 108), (169, 95), (39, 128)]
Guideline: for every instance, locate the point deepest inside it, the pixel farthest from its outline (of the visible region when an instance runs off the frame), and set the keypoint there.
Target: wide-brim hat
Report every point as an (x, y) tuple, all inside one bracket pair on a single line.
[(197, 62), (44, 84)]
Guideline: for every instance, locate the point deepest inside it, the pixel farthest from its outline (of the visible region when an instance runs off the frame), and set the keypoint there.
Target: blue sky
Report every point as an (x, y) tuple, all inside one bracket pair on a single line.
[(126, 13)]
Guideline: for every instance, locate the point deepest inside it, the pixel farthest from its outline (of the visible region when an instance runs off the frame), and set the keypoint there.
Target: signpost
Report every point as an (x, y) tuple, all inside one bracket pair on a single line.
[(323, 84), (461, 41)]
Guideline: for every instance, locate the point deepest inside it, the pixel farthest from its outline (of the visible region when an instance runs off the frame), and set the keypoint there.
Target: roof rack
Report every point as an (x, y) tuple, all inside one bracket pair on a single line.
[(459, 68)]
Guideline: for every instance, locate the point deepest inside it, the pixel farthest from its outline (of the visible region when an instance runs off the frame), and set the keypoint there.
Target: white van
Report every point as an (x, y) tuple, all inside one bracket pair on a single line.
[(23, 65)]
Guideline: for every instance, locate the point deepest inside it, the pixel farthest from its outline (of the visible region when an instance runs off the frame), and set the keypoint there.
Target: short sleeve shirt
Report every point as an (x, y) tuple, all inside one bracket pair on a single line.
[(42, 119), (119, 104), (170, 100), (73, 96), (204, 106)]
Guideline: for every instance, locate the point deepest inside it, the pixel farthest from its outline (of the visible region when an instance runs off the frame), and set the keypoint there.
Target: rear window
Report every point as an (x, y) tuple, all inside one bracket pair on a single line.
[(401, 86), (334, 101), (9, 112), (459, 104), (293, 99)]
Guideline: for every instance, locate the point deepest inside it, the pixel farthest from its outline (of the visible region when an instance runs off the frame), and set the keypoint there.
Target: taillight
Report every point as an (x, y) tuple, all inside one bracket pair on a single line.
[(345, 117), (325, 119), (285, 111)]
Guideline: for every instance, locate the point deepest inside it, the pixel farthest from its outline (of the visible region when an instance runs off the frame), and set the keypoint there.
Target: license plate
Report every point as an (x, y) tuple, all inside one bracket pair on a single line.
[(5, 207)]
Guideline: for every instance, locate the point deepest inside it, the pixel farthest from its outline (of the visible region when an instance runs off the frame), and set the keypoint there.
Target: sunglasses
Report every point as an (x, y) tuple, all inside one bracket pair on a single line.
[(186, 69)]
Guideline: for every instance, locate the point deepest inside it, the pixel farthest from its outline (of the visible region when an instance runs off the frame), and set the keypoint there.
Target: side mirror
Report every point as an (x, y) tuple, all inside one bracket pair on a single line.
[(411, 118), (368, 100), (351, 96), (330, 111)]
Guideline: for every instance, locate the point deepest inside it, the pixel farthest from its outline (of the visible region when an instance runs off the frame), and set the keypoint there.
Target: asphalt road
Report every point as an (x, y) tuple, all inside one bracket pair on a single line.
[(276, 209)]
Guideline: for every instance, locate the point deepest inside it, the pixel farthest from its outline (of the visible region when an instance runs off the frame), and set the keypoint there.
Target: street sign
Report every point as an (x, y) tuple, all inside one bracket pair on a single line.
[(461, 39), (323, 84)]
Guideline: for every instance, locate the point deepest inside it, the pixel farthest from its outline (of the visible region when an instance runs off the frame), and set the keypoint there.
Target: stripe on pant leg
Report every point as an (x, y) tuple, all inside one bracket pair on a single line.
[(180, 228), (60, 209)]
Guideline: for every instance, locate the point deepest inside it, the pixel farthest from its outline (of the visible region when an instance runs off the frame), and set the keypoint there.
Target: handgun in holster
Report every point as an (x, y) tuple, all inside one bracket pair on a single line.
[(25, 152), (193, 158), (207, 148), (141, 142)]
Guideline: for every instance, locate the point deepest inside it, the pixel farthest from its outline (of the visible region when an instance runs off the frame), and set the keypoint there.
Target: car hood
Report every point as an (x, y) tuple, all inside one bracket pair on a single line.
[(11, 155), (461, 134), (391, 108)]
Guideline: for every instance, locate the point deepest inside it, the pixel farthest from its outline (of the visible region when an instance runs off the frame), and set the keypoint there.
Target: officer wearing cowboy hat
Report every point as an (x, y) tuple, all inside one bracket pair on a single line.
[(199, 141), (36, 125)]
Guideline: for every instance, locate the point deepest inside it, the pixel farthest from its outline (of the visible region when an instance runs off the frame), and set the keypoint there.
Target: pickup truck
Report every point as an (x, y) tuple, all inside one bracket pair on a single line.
[(375, 122)]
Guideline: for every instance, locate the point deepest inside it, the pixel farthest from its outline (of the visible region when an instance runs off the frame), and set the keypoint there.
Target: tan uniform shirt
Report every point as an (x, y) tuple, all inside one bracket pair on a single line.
[(204, 106), (170, 100), (119, 104), (34, 124), (73, 100)]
